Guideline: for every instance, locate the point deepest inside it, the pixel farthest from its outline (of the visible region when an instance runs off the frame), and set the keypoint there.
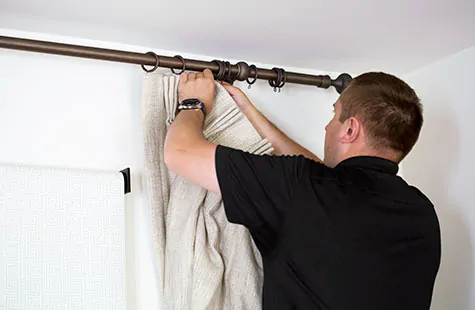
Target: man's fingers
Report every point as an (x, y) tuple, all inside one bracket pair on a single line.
[(226, 86), (193, 76), (231, 89), (208, 74), (183, 77)]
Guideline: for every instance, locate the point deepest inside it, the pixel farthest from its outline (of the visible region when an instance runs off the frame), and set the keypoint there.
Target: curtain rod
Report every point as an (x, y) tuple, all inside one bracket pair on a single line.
[(240, 71)]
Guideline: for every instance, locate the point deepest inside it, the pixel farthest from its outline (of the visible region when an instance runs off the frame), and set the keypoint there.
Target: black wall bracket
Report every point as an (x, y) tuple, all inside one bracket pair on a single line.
[(126, 174)]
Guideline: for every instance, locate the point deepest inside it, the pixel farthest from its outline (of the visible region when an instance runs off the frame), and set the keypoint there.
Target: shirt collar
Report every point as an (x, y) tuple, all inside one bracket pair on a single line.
[(371, 162)]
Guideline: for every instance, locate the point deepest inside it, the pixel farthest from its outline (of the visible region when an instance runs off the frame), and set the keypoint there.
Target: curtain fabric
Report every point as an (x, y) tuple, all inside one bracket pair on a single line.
[(204, 262)]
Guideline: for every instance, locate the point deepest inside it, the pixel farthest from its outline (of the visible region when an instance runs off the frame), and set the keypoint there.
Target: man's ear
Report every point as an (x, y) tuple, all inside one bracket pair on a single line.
[(350, 130)]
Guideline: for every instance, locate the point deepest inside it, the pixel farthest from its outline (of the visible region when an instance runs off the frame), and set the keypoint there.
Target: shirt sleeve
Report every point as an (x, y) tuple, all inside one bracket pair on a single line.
[(257, 189)]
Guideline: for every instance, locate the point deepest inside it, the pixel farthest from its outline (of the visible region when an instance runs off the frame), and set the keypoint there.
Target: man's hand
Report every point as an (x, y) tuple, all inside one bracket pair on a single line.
[(197, 85), (242, 101)]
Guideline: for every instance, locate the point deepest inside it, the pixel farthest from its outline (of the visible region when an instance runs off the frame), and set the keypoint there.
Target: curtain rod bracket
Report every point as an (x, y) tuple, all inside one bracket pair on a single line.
[(127, 181)]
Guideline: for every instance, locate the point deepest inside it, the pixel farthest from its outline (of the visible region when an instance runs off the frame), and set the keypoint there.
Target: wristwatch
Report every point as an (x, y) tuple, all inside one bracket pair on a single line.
[(191, 104)]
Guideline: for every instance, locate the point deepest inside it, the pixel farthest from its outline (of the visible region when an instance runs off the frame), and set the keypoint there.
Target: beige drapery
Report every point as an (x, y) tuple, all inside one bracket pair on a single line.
[(204, 261)]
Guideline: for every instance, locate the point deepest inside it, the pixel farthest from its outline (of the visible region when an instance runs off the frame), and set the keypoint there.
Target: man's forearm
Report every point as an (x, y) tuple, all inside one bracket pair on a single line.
[(188, 153), (185, 130), (282, 144)]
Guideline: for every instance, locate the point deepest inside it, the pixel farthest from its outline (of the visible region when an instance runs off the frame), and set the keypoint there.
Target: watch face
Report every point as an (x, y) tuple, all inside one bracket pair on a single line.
[(191, 101), (191, 104)]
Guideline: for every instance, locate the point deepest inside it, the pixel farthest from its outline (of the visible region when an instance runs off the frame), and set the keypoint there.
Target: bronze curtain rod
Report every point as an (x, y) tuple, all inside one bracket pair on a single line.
[(240, 71)]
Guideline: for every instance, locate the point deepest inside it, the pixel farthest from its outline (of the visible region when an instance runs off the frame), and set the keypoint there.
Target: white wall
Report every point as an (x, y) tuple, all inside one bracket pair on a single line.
[(71, 112), (442, 165)]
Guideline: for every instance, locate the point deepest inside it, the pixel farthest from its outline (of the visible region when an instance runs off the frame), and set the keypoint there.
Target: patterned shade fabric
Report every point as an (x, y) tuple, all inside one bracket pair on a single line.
[(62, 239)]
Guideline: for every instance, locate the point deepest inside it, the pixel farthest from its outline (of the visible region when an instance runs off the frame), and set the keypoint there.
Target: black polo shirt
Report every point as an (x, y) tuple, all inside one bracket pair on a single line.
[(356, 236)]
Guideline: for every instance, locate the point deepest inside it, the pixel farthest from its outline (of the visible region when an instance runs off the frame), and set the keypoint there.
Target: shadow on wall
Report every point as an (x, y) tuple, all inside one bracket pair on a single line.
[(431, 167)]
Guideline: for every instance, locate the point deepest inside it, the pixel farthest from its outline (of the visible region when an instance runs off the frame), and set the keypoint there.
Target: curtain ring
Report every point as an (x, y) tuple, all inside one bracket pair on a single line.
[(284, 79), (271, 82), (222, 69), (183, 65), (281, 79), (157, 63), (275, 84), (255, 76)]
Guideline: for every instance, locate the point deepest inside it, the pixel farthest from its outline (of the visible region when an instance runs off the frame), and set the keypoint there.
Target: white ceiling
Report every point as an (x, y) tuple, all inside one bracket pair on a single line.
[(331, 35)]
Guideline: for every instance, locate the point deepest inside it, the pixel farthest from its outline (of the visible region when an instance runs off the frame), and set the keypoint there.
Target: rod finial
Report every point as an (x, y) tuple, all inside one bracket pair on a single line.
[(342, 82)]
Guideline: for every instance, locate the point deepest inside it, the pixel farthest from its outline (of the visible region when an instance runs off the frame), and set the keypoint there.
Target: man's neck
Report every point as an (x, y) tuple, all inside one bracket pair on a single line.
[(386, 154)]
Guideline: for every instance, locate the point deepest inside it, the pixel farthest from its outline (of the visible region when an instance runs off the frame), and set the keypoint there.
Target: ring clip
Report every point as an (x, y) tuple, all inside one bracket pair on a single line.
[(255, 76), (280, 81), (157, 63), (183, 65)]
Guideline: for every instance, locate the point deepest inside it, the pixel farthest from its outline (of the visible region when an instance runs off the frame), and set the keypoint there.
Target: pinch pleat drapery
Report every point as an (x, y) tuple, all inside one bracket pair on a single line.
[(204, 262)]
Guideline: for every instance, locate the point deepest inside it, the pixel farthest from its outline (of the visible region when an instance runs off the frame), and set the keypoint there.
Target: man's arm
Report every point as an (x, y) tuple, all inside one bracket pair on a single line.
[(190, 155), (281, 143), (187, 152)]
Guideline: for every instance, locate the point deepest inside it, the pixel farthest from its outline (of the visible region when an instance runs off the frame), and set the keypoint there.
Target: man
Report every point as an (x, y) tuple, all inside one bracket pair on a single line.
[(345, 233)]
